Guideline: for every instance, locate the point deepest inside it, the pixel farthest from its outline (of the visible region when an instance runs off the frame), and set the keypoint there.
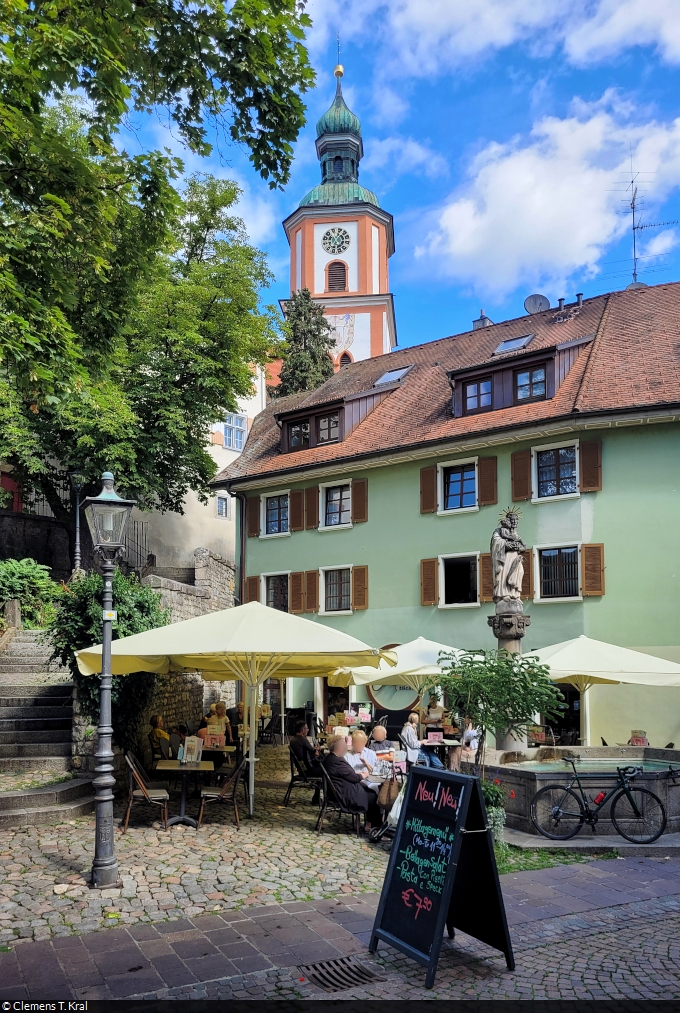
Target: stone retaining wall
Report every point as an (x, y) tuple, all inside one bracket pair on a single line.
[(212, 590)]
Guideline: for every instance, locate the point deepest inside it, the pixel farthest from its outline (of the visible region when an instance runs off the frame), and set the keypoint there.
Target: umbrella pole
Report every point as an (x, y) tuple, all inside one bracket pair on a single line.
[(251, 747), (585, 718)]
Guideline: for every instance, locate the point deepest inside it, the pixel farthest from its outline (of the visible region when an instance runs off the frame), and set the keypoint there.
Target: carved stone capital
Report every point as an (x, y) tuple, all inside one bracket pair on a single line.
[(509, 626)]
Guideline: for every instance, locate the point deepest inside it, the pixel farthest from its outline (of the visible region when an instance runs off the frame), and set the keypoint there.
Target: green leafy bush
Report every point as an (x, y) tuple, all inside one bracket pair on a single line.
[(30, 583), (78, 623), (493, 793)]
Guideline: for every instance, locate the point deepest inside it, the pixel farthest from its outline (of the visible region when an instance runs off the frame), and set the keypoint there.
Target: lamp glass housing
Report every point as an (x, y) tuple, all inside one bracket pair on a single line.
[(107, 515)]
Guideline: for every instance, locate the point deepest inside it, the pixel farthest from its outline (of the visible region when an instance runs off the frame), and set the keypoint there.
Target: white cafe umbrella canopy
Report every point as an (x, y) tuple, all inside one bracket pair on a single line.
[(250, 642), (583, 663), (417, 663)]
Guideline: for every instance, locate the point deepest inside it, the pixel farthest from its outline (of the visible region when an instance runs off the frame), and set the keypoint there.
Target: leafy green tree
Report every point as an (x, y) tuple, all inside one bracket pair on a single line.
[(307, 362), (498, 691), (30, 584), (78, 623)]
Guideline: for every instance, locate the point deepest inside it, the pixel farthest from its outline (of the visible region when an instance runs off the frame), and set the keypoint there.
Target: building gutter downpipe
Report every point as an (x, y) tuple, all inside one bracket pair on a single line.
[(241, 497)]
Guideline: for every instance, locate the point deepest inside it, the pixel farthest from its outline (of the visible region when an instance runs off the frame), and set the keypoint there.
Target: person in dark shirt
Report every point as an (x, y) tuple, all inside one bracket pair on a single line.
[(305, 752), (349, 785), (235, 716)]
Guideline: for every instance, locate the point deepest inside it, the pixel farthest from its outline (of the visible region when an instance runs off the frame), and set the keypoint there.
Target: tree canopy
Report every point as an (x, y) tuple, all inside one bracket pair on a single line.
[(307, 362)]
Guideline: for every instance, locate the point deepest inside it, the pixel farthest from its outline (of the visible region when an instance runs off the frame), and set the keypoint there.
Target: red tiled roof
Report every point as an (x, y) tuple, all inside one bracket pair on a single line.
[(634, 361)]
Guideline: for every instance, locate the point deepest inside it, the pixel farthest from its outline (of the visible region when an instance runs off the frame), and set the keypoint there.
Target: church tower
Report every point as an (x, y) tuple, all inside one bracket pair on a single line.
[(341, 240)]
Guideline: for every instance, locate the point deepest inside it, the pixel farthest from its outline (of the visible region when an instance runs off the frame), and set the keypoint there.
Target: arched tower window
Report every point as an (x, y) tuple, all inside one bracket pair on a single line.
[(337, 164), (345, 359), (337, 276)]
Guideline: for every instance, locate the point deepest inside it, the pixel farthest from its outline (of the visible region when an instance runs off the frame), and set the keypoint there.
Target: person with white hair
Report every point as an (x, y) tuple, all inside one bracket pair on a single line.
[(351, 786), (414, 745)]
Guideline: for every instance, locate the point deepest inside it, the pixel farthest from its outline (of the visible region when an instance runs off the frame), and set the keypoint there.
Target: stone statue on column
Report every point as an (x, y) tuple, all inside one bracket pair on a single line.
[(507, 563)]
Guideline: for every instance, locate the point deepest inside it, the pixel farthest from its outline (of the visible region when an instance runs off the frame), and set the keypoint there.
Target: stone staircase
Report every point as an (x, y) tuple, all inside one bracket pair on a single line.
[(35, 734)]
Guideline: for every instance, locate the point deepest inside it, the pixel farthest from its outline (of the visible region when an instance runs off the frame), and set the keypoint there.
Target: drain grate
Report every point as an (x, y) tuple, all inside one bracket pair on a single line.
[(343, 972)]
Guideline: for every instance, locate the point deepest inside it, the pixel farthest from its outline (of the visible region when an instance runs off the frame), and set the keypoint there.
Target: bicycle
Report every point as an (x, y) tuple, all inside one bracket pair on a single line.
[(638, 815)]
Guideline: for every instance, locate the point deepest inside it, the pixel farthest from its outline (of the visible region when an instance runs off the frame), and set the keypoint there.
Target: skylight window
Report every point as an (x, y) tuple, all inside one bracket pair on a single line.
[(392, 375), (512, 344)]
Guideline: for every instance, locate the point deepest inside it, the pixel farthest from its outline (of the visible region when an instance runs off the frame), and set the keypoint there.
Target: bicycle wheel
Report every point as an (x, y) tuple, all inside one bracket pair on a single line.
[(644, 826), (557, 812)]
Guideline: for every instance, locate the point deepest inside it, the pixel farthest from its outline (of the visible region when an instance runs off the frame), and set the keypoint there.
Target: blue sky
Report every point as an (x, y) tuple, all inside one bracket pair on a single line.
[(498, 133)]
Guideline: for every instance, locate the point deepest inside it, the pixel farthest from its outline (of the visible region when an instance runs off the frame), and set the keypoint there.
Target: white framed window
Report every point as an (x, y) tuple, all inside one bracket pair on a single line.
[(335, 590), (274, 510), (335, 505), (459, 580), (235, 432), (274, 589), (555, 472), (557, 572), (223, 506), (457, 487)]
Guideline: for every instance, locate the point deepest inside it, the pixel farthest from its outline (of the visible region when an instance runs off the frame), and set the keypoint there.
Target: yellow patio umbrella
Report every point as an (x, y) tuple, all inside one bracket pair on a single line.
[(583, 663), (250, 643)]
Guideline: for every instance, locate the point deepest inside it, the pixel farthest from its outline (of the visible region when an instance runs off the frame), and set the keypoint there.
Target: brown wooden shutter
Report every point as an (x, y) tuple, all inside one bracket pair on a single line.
[(528, 579), (359, 587), (252, 589), (312, 591), (428, 490), (521, 475), (312, 507), (592, 570), (359, 500), (485, 577), (296, 514), (296, 595), (253, 516), (590, 454), (488, 484), (429, 581)]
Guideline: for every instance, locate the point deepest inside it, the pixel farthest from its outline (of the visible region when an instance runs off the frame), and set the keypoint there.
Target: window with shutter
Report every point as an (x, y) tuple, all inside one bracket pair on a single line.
[(428, 490), (429, 590), (359, 500), (528, 578), (312, 591), (297, 592), (521, 475), (487, 468), (590, 462), (485, 577), (337, 277), (297, 508), (253, 516), (592, 570), (360, 587), (312, 507), (252, 589)]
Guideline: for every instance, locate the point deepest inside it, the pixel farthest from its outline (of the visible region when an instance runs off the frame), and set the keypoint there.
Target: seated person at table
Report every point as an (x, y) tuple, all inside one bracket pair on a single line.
[(305, 753), (235, 715), (380, 744), (350, 785), (414, 751), (158, 736), (359, 756), (434, 715)]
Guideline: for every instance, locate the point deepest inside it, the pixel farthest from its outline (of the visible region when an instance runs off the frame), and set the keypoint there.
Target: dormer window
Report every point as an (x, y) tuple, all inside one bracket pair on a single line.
[(530, 385), (298, 434), (477, 395), (328, 428)]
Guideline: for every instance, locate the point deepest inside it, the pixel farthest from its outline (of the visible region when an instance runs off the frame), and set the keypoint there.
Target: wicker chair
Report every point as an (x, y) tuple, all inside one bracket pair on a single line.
[(140, 794), (227, 793), (299, 776), (330, 803), (143, 774)]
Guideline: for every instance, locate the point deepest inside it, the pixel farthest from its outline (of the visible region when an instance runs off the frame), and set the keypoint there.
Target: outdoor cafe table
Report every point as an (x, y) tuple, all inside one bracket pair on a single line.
[(184, 769)]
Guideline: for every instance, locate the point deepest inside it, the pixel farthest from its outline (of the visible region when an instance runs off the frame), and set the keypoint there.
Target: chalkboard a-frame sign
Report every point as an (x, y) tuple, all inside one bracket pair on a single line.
[(442, 871)]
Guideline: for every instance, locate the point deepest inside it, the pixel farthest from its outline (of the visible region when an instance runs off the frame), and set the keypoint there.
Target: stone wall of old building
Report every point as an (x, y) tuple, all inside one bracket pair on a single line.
[(213, 587)]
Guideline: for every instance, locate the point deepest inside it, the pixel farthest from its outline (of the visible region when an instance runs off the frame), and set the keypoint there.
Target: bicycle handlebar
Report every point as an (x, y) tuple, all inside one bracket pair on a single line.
[(629, 771)]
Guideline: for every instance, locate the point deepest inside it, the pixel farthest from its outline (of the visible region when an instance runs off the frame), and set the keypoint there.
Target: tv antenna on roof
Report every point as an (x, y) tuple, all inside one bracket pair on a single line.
[(633, 204)]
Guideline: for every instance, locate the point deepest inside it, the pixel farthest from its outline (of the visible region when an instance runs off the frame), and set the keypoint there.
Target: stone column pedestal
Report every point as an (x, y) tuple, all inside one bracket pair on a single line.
[(509, 627)]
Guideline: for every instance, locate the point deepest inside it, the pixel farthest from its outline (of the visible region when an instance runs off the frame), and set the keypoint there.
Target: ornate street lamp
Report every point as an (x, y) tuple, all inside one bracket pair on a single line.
[(107, 517), (77, 482)]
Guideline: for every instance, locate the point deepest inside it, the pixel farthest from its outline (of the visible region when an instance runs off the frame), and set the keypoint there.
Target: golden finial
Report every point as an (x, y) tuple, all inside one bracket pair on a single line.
[(339, 69)]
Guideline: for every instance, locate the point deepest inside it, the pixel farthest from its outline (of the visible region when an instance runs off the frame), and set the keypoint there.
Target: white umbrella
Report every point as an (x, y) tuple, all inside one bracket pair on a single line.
[(584, 663), (417, 662), (250, 643)]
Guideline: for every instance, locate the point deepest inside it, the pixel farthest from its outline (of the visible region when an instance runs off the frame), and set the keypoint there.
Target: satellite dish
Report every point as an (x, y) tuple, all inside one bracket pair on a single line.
[(536, 304)]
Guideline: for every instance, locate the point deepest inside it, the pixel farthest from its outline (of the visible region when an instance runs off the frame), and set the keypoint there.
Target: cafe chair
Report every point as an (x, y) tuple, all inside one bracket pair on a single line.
[(331, 804), (669, 745), (603, 741), (299, 776), (143, 774), (139, 794), (227, 793)]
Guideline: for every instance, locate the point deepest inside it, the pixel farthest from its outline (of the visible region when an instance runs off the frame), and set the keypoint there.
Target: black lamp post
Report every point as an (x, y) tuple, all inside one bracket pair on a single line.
[(77, 482), (107, 516)]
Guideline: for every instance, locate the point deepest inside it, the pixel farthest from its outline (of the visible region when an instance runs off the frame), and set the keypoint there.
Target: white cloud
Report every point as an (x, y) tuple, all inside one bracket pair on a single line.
[(401, 156), (540, 208), (661, 243), (615, 25)]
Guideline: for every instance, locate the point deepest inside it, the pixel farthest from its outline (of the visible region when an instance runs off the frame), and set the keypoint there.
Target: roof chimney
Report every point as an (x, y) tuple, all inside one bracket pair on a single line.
[(560, 304), (579, 299), (482, 321)]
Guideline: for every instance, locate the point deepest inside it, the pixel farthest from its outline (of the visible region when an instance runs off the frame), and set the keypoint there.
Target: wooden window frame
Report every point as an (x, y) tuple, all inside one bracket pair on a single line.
[(537, 549), (317, 424), (535, 451), (323, 611), (263, 584), (263, 514), (478, 380), (298, 422), (312, 417), (322, 506), (442, 583), (441, 468), (529, 368)]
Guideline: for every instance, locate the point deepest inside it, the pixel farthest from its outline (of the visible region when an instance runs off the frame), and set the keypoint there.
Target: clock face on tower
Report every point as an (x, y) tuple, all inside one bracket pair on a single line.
[(335, 240)]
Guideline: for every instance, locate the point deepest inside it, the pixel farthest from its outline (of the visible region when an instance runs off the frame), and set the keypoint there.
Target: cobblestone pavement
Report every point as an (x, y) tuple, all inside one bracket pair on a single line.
[(182, 873), (624, 950)]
